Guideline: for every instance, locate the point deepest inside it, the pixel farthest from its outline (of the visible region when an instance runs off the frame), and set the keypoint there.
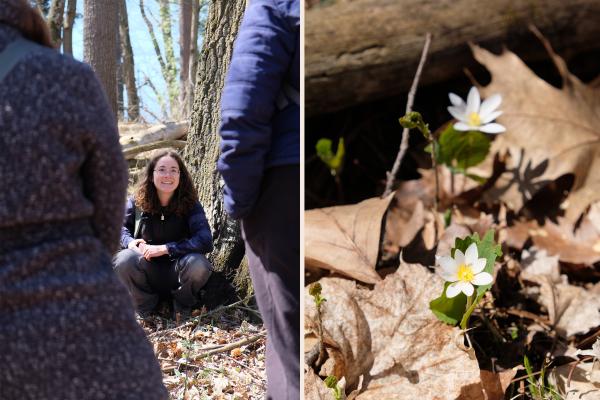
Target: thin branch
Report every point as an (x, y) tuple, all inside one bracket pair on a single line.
[(232, 346), (411, 98)]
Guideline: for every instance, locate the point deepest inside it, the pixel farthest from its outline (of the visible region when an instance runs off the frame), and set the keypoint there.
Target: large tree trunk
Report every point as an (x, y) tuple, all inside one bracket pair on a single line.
[(55, 21), (185, 38), (100, 30), (133, 102), (68, 28), (202, 150), (365, 50)]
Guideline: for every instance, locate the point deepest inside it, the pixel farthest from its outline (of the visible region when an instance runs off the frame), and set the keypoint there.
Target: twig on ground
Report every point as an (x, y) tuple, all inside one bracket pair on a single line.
[(231, 346), (254, 373), (194, 321), (411, 98)]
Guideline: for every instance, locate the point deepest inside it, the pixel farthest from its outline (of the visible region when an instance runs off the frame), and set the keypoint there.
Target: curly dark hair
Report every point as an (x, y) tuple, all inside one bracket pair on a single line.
[(184, 198), (29, 22)]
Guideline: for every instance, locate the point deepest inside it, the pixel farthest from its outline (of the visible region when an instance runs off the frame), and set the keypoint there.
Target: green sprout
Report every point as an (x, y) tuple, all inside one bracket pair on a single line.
[(332, 383), (334, 162)]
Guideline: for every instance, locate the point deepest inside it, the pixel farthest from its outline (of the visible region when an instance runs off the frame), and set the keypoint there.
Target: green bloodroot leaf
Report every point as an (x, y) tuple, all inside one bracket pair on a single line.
[(462, 150)]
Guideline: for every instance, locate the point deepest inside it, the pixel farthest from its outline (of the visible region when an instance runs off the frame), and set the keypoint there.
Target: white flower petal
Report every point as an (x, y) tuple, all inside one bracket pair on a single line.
[(446, 276), (483, 278), (461, 126), (478, 265), (459, 257), (471, 255), (466, 288), (457, 113), (489, 105), (492, 116), (492, 128), (456, 100), (453, 290), (473, 101), (448, 264)]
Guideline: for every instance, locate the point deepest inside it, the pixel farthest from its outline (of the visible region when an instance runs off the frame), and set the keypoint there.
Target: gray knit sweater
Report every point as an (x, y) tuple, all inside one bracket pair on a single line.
[(67, 326)]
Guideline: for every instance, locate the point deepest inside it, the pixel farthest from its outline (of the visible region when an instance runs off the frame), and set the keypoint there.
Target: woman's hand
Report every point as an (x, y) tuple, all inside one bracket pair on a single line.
[(137, 245), (151, 251)]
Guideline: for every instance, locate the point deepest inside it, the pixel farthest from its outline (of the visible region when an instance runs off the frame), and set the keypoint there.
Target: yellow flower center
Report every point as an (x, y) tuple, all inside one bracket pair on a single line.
[(474, 119), (465, 273)]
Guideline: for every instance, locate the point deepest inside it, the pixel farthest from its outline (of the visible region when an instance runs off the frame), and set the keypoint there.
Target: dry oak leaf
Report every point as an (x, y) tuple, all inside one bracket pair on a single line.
[(345, 239), (389, 335), (314, 387), (580, 247), (571, 309), (584, 382), (550, 132)]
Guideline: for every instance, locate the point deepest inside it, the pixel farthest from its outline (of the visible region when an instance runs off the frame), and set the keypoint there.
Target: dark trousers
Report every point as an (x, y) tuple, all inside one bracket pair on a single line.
[(272, 236), (147, 281)]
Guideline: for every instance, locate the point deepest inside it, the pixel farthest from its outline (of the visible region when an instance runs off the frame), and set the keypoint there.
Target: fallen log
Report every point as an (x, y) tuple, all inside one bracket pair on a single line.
[(160, 132), (365, 50), (131, 152)]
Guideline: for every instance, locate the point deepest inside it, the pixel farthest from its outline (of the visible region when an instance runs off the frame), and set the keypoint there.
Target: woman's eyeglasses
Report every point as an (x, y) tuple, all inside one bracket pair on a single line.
[(165, 172)]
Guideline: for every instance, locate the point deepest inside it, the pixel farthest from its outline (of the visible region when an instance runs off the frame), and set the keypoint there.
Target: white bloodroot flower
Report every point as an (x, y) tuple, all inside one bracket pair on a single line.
[(475, 115), (464, 271)]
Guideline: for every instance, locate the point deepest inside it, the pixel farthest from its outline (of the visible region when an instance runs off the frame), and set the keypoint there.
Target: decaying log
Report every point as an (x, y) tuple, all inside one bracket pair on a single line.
[(362, 50), (131, 152), (161, 132)]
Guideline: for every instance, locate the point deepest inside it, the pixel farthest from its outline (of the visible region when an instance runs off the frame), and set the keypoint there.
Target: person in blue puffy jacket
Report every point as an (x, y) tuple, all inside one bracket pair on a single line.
[(259, 162), (164, 238)]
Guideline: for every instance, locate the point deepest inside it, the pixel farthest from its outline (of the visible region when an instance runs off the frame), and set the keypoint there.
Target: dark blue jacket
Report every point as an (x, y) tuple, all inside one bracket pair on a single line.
[(182, 235), (255, 133)]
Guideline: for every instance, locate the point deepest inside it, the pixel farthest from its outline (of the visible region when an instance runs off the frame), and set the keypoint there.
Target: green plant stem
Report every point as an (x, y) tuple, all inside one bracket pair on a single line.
[(433, 145), (321, 357), (464, 323)]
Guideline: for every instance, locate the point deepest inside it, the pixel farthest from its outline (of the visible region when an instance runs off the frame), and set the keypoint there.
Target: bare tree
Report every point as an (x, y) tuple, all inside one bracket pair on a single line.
[(168, 63), (68, 26), (100, 31), (185, 38), (128, 67), (202, 149), (55, 20)]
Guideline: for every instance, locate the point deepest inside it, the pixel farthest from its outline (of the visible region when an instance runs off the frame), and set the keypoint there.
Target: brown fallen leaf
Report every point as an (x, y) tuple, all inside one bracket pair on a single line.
[(314, 387), (496, 383), (345, 239), (584, 384), (551, 132), (571, 309), (389, 335), (581, 247)]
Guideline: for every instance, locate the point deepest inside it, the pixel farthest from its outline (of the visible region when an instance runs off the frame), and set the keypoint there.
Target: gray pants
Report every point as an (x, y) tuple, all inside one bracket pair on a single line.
[(147, 280), (272, 235)]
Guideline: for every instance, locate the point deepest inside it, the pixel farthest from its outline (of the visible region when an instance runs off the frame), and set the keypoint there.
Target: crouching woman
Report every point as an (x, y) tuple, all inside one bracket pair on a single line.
[(164, 239)]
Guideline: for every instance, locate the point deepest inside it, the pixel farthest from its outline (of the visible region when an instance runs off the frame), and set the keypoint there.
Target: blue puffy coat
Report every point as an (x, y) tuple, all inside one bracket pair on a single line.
[(256, 132)]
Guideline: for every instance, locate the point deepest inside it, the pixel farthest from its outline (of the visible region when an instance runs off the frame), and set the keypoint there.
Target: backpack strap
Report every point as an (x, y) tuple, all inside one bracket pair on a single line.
[(138, 217), (14, 52)]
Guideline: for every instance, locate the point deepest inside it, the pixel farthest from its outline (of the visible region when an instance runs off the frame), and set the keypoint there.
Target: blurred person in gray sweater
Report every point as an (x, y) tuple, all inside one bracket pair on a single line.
[(67, 325)]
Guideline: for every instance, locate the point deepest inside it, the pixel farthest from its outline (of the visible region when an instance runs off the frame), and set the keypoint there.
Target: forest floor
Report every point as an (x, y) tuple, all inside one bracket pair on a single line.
[(219, 354)]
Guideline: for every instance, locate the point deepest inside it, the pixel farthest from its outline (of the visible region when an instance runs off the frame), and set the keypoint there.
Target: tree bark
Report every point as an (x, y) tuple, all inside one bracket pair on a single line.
[(365, 50), (100, 28), (185, 39), (55, 21), (133, 101), (68, 27), (202, 150)]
